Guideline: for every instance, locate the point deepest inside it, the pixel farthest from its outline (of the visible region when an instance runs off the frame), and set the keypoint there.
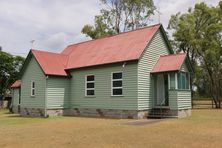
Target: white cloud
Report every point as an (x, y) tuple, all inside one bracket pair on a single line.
[(54, 24), (56, 41), (170, 7)]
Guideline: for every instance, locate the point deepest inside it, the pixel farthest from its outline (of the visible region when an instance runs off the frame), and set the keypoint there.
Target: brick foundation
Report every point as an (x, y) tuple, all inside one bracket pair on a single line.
[(106, 113), (180, 113), (184, 113), (55, 112), (32, 112)]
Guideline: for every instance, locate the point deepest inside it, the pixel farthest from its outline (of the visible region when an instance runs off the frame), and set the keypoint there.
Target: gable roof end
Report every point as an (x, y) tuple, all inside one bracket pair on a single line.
[(16, 84), (51, 63)]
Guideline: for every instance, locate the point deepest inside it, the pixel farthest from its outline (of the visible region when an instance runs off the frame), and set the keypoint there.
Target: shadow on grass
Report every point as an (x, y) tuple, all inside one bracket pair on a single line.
[(92, 117), (8, 112), (14, 115)]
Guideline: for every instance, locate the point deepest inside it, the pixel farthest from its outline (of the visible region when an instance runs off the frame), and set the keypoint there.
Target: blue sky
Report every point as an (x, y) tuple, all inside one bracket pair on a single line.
[(54, 24)]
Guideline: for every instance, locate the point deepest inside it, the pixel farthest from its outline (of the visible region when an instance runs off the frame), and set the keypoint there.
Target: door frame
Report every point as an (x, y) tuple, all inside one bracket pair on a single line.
[(166, 89)]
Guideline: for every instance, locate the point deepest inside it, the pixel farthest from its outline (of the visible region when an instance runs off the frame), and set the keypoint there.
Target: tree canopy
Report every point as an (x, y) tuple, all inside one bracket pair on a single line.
[(9, 69), (119, 16), (199, 33)]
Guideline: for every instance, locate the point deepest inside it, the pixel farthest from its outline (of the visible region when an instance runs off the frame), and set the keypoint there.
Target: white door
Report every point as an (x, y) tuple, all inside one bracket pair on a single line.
[(160, 89)]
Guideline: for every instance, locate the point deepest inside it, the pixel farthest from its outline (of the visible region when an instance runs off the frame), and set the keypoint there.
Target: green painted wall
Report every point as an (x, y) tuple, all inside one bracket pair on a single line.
[(58, 92), (149, 58), (184, 68), (33, 72), (15, 96), (180, 99), (173, 102), (184, 99), (103, 98)]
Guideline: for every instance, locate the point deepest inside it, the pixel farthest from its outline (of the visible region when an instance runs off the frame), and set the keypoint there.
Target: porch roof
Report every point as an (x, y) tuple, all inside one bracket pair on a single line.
[(172, 62)]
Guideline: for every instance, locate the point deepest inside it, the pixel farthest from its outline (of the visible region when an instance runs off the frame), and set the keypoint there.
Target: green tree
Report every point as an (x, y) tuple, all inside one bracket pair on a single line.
[(119, 16), (199, 33), (9, 70)]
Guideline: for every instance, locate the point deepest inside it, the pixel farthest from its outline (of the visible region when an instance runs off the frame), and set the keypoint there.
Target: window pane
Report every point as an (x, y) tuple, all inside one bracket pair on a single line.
[(90, 85), (33, 84), (90, 92), (172, 80), (90, 78), (117, 92), (117, 75), (187, 81), (117, 83), (179, 80), (33, 92), (183, 80)]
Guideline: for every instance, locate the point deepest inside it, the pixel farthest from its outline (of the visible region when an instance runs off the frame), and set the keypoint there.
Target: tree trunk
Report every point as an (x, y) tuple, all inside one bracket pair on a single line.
[(216, 103)]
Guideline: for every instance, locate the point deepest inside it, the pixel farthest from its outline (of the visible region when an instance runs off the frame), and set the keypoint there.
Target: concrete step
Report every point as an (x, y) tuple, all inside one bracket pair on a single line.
[(159, 112)]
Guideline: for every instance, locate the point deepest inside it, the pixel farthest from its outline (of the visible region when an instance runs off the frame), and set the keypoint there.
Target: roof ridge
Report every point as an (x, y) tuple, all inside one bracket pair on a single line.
[(164, 55), (39, 50), (113, 35)]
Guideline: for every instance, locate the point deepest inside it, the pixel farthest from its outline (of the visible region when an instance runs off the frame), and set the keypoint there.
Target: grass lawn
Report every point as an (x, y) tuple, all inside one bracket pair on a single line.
[(202, 129)]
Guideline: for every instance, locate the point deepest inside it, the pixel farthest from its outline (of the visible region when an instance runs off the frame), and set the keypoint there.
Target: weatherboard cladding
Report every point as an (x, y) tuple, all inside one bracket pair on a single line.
[(103, 98), (58, 92), (183, 97), (184, 67), (155, 48), (180, 99), (173, 102), (34, 73)]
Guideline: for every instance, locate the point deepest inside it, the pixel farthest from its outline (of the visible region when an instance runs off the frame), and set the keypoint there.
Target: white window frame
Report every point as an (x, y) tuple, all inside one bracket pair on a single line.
[(112, 80), (176, 81), (169, 79), (86, 82), (33, 88)]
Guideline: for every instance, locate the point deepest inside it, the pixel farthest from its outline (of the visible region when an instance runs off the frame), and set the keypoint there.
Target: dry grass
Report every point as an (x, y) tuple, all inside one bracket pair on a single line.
[(202, 129)]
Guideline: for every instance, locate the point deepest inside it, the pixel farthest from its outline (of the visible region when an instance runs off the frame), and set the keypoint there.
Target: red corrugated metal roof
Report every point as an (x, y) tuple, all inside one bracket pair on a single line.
[(16, 84), (122, 47), (171, 62), (51, 63)]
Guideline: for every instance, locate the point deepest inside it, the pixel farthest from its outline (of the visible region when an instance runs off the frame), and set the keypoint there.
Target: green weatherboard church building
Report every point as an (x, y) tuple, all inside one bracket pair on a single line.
[(130, 75)]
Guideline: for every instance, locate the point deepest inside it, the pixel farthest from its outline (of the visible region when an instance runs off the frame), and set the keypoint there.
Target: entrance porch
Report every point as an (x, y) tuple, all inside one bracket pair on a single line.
[(172, 94)]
